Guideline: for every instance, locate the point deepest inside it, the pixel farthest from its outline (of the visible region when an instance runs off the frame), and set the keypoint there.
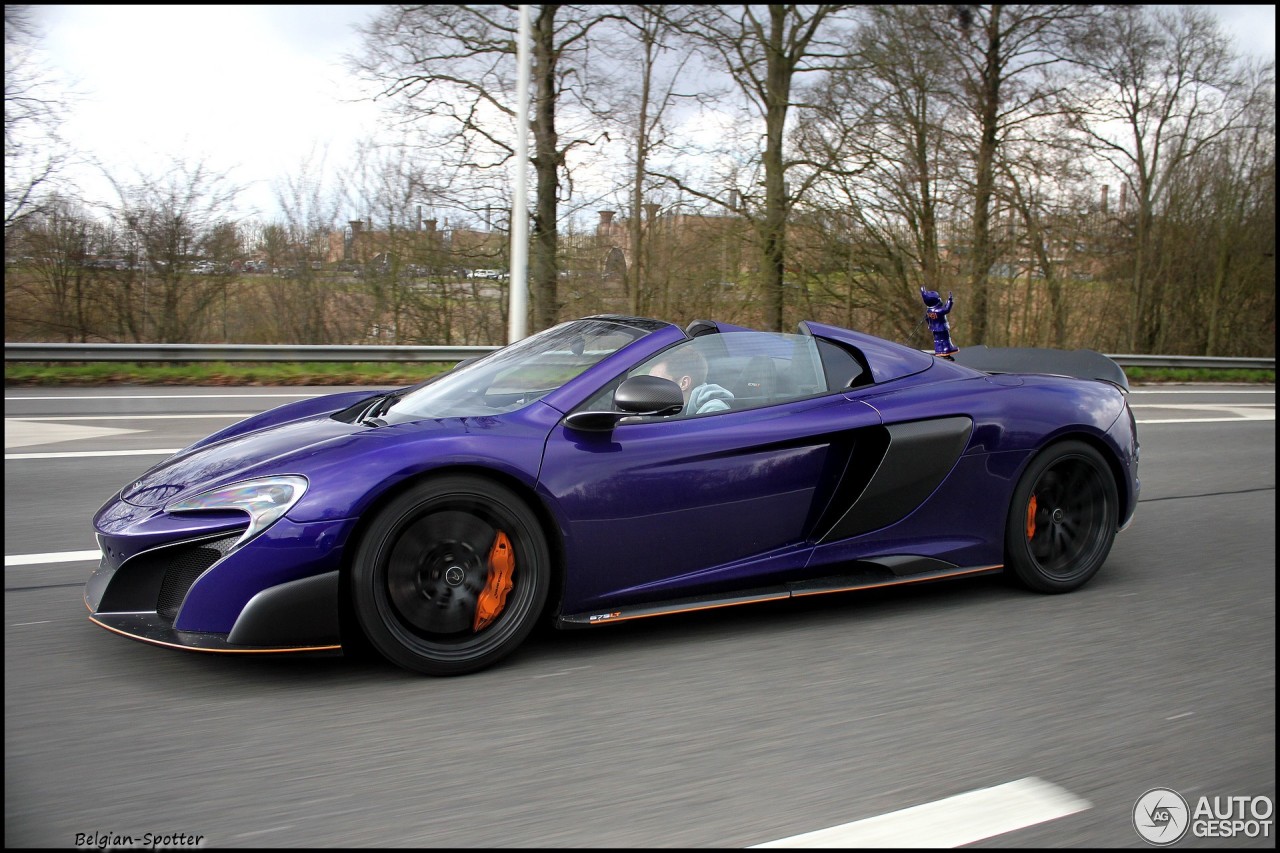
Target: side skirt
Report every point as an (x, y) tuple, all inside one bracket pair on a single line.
[(891, 571)]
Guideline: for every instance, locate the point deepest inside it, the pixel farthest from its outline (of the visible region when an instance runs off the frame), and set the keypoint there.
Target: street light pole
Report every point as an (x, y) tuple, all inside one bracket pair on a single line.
[(518, 312)]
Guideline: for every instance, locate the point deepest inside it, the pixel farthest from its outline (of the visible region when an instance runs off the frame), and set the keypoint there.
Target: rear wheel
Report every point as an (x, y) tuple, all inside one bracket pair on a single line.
[(1063, 518), (451, 576)]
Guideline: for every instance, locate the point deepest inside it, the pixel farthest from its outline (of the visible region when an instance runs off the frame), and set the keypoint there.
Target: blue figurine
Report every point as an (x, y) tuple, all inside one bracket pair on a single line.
[(935, 313)]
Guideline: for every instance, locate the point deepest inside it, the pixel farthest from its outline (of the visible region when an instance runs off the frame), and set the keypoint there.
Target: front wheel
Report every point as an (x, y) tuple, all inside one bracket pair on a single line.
[(451, 576), (1063, 518)]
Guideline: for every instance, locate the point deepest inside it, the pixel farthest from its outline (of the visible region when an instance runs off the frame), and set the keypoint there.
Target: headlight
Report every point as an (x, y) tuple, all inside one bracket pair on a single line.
[(265, 500)]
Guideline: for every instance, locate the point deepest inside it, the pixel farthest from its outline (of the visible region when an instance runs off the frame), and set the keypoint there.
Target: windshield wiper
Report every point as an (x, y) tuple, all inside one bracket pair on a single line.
[(373, 415)]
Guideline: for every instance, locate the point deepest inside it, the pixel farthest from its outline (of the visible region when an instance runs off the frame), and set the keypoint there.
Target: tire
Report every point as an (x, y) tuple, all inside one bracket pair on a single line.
[(429, 574), (1062, 520)]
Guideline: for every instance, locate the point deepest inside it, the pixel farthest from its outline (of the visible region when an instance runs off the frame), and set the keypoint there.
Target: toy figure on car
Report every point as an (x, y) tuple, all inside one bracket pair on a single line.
[(935, 314)]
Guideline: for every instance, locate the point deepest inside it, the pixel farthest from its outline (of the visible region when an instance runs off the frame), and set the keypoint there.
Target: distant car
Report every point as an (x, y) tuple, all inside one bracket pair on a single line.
[(562, 477)]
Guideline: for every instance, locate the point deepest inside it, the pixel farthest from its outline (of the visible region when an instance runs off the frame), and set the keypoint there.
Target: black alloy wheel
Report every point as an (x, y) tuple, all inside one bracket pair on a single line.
[(1063, 518), (452, 576)]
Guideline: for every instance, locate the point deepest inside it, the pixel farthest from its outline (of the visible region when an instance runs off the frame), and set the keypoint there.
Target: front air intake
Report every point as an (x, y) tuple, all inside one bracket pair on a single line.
[(184, 565)]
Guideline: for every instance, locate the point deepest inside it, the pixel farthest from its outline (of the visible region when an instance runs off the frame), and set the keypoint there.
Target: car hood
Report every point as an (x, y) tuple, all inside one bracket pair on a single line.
[(242, 455)]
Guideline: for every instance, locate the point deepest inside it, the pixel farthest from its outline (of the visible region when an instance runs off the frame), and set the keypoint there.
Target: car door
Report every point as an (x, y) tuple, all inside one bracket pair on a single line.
[(672, 507)]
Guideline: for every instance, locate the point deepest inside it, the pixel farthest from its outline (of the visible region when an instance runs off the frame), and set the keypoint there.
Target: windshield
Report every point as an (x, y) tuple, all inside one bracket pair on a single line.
[(516, 375)]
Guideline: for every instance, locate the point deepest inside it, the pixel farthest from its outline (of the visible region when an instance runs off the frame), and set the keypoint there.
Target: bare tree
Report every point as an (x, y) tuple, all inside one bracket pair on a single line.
[(1165, 88), (1011, 67), (170, 219), (650, 67), (767, 51), (301, 245), (1030, 193), (389, 186), (34, 108), (885, 118), (1218, 226), (53, 293), (274, 242), (1241, 316), (453, 68)]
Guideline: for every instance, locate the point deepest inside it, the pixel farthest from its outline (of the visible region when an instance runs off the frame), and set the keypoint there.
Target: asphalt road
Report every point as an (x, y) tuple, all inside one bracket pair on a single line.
[(723, 729)]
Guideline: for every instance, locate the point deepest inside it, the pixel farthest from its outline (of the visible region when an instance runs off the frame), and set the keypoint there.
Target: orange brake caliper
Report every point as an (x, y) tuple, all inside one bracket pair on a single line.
[(502, 564), (1031, 519)]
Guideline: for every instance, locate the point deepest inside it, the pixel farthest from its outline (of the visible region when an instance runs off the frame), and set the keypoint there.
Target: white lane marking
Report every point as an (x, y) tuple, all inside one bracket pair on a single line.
[(263, 831), (24, 433), (1244, 412), (1252, 420), (951, 822), (54, 557), (1209, 407), (87, 454), (1256, 411), (169, 396), (130, 417), (561, 672), (24, 624), (1200, 391)]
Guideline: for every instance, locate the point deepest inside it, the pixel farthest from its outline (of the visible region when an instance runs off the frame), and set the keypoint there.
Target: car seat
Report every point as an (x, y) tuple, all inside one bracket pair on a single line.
[(757, 384)]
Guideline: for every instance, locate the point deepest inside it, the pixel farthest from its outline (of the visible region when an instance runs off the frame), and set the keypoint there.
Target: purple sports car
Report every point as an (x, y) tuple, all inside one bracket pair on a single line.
[(616, 468)]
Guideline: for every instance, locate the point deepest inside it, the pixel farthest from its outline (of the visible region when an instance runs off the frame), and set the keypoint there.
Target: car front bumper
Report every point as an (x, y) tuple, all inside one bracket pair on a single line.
[(204, 591)]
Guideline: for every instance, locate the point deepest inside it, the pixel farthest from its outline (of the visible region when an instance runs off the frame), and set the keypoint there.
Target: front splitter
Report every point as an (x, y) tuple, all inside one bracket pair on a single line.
[(149, 627)]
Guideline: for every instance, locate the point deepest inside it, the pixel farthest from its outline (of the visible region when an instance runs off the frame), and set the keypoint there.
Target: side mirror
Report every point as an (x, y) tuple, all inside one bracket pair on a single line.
[(650, 396)]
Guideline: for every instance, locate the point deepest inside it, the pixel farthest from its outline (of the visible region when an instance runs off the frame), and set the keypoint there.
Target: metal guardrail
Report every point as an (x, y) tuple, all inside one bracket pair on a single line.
[(300, 353), (235, 352), (1207, 362)]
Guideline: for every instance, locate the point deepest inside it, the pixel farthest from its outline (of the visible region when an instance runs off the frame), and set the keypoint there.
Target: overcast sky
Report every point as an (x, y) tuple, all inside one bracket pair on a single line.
[(255, 89), (252, 89)]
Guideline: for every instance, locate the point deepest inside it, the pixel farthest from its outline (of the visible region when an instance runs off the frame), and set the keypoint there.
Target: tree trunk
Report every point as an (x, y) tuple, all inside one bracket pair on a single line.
[(989, 105), (774, 230), (546, 163)]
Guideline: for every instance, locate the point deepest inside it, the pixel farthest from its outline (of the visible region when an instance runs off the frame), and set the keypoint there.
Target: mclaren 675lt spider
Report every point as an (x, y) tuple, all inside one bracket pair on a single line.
[(615, 468)]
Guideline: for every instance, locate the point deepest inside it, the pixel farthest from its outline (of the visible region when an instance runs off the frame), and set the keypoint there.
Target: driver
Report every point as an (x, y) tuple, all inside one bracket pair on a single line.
[(686, 367)]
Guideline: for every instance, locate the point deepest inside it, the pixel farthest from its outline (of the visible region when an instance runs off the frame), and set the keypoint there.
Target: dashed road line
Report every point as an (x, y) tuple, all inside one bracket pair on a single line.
[(169, 397), (53, 557), (950, 822), (85, 454), (30, 418)]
